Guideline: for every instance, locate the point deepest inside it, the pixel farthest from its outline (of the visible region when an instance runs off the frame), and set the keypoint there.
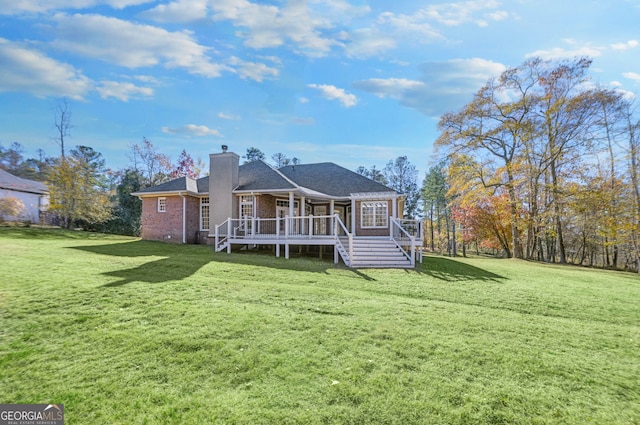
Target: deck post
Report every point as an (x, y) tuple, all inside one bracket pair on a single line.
[(332, 208), (229, 226), (278, 250), (310, 226), (413, 251), (391, 227), (253, 227), (278, 227), (286, 227), (286, 236)]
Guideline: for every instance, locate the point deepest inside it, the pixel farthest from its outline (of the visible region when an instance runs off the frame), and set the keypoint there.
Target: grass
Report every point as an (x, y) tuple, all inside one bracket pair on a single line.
[(123, 331)]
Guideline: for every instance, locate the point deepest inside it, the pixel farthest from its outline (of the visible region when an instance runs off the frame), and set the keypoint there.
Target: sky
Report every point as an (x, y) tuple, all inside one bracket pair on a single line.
[(357, 83)]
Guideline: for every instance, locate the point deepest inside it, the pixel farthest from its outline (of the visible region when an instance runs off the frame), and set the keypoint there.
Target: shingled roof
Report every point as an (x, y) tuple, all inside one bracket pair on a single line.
[(10, 182), (324, 178), (331, 179), (182, 184), (258, 176)]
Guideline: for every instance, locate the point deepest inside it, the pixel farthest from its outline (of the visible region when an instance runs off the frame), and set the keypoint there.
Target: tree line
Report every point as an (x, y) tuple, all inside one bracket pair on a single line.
[(85, 193), (542, 164)]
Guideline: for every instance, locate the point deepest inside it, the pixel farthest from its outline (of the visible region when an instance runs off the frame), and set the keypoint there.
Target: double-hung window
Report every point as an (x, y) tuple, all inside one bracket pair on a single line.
[(374, 214), (204, 213), (162, 204), (246, 206)]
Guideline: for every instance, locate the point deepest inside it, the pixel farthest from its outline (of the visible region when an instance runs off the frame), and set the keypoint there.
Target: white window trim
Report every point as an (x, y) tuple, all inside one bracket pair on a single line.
[(162, 206), (246, 201), (376, 214), (203, 204)]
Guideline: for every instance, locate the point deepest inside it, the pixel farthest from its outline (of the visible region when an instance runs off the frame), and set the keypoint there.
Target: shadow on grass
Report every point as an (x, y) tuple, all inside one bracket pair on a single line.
[(303, 262), (177, 262), (50, 233), (450, 270)]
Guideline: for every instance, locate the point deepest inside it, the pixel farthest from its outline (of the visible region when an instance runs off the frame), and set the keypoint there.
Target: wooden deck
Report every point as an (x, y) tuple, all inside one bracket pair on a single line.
[(402, 248)]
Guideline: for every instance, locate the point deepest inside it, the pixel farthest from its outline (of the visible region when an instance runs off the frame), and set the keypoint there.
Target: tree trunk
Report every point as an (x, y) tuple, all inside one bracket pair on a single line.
[(433, 241), (558, 214)]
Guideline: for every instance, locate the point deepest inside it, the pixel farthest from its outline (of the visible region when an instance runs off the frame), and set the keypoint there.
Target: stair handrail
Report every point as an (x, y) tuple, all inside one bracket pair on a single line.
[(221, 238), (338, 223), (395, 224)]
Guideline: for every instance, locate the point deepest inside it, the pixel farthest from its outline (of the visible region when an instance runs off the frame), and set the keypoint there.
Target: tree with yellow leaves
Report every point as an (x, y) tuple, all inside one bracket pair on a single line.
[(78, 190)]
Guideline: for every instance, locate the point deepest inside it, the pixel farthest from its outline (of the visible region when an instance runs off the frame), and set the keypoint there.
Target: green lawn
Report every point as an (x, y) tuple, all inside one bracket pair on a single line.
[(123, 331)]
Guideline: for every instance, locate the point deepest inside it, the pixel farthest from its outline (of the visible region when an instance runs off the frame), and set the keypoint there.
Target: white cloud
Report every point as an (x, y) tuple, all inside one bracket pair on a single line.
[(10, 7), (334, 93), (123, 91), (342, 8), (268, 26), (632, 76), (28, 70), (560, 53), (390, 87), (415, 23), (478, 12), (180, 11), (443, 86), (146, 79), (367, 42), (631, 44), (574, 49), (192, 130), (252, 70), (132, 45), (228, 117)]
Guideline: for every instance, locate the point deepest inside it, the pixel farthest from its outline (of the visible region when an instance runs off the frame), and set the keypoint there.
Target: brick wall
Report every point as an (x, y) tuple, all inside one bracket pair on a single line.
[(167, 226), (369, 231), (266, 206)]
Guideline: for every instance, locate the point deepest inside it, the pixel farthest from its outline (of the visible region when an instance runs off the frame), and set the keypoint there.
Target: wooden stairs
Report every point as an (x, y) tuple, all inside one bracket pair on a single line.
[(375, 253)]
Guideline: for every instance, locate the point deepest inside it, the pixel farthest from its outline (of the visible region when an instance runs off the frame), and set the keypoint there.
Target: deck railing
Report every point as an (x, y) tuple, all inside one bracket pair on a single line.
[(404, 233), (343, 236), (285, 228)]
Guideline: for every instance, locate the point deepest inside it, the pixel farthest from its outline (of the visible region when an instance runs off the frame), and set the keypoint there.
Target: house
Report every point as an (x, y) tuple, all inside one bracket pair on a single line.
[(311, 205), (33, 195)]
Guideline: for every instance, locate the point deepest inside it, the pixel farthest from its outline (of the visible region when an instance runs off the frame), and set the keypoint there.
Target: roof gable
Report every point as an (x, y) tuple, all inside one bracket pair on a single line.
[(331, 179), (258, 176), (18, 184), (181, 184)]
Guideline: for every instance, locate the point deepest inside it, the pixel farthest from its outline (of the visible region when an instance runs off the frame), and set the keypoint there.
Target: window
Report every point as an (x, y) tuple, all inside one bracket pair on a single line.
[(204, 213), (285, 204), (162, 204), (246, 206), (374, 214)]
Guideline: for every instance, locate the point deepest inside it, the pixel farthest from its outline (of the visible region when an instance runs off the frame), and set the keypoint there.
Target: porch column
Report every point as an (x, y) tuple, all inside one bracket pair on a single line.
[(291, 206), (394, 207), (332, 207), (303, 211), (353, 216), (291, 219)]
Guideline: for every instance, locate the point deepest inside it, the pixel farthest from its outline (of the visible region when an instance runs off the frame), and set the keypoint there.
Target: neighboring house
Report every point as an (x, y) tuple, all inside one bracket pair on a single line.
[(34, 196), (297, 205)]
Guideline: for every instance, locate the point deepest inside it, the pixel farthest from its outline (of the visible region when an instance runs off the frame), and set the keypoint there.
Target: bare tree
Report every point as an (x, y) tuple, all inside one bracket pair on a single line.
[(62, 114)]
